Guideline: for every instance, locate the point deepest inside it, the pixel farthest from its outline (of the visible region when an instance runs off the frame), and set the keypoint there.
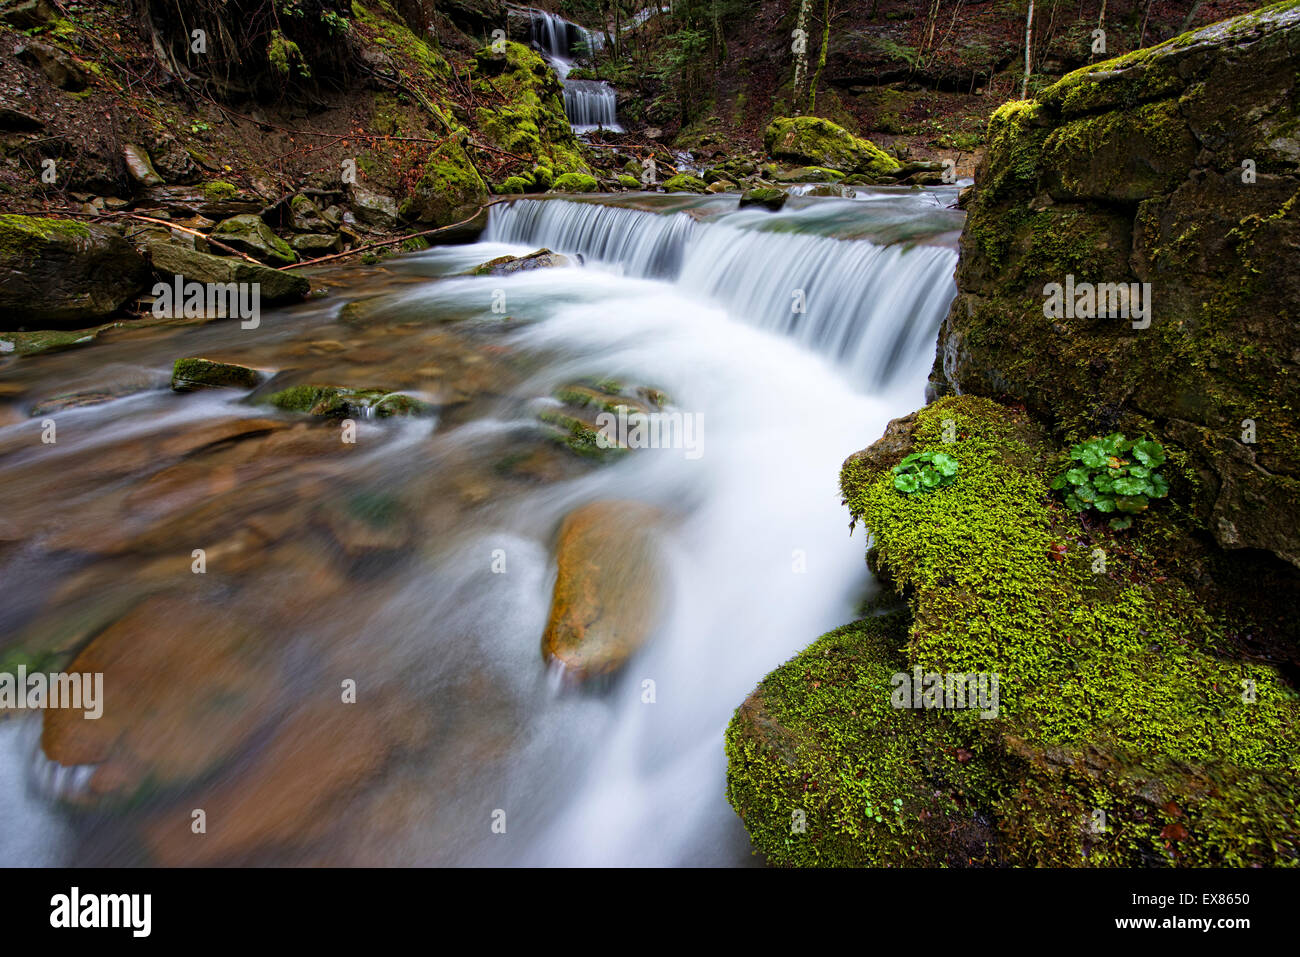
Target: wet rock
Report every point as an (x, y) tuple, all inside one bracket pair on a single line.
[(248, 234), (342, 402), (173, 161), (140, 166), (216, 200), (61, 272), (575, 183), (183, 689), (306, 217), (608, 591), (275, 286), (772, 199), (508, 265), (196, 373), (320, 754), (830, 190)]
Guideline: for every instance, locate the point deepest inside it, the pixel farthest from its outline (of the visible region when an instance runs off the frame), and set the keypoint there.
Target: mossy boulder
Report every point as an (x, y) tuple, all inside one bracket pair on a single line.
[(1126, 732), (628, 182), (249, 234), (514, 185), (575, 183), (508, 265), (685, 183), (62, 272), (449, 189), (1134, 172), (198, 373), (274, 285), (768, 198), (813, 141)]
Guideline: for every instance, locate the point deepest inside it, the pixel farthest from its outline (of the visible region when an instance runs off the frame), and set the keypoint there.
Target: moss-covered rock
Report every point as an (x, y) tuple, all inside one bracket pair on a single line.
[(813, 141), (1130, 172), (522, 110), (685, 183), (196, 373), (62, 272), (449, 189), (340, 402), (575, 183), (514, 185), (274, 285), (767, 197), (249, 234), (1126, 733)]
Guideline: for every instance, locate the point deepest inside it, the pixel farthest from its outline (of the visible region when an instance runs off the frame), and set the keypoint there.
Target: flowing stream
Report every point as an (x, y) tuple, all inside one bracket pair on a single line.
[(418, 562)]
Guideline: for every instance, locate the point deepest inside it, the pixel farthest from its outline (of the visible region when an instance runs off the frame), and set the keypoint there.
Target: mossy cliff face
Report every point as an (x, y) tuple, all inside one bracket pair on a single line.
[(1127, 732), (1174, 166), (1132, 172)]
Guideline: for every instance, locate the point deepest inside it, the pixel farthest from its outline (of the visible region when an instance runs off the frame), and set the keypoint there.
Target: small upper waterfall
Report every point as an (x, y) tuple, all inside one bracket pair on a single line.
[(873, 306), (589, 104)]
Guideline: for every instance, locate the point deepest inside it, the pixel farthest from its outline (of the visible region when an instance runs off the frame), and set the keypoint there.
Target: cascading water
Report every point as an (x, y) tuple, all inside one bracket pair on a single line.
[(839, 298), (589, 104), (419, 561)]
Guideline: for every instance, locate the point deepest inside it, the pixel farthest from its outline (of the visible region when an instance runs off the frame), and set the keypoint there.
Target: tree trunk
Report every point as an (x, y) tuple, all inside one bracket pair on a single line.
[(821, 58), (1029, 36)]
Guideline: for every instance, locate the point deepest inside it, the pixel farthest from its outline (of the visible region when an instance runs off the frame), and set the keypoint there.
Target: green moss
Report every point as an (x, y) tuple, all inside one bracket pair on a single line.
[(217, 190), (514, 184), (685, 183), (193, 372), (814, 141), (575, 183), (628, 182), (25, 235)]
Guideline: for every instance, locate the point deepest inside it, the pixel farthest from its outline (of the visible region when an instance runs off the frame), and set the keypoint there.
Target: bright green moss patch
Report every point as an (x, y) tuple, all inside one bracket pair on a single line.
[(21, 235)]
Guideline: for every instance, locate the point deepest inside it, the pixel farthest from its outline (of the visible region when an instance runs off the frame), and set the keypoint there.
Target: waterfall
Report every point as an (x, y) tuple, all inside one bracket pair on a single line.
[(589, 104), (873, 307)]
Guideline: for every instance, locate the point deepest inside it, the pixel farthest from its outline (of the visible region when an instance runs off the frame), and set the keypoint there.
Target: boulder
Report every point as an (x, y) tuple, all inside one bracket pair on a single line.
[(140, 166), (275, 286), (59, 68), (575, 183), (508, 265), (813, 141), (248, 234), (685, 183), (772, 199), (196, 373), (608, 590), (63, 272)]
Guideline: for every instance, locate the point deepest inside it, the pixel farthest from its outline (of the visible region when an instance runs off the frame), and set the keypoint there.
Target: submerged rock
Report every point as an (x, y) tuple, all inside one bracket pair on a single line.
[(195, 373), (607, 595), (61, 272), (343, 402)]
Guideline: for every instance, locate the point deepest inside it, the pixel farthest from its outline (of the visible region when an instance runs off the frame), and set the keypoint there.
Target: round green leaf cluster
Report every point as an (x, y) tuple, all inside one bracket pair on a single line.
[(923, 471), (1114, 474)]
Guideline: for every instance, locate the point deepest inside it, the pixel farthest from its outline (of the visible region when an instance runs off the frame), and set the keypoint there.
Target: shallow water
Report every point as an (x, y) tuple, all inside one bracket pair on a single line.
[(379, 562)]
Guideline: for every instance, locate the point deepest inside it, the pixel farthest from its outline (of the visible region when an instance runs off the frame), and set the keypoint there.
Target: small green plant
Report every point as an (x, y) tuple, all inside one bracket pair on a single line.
[(1114, 474), (923, 471)]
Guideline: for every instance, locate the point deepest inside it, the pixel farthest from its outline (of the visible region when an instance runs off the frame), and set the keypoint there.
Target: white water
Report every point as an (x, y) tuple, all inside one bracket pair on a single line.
[(589, 104), (874, 309)]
